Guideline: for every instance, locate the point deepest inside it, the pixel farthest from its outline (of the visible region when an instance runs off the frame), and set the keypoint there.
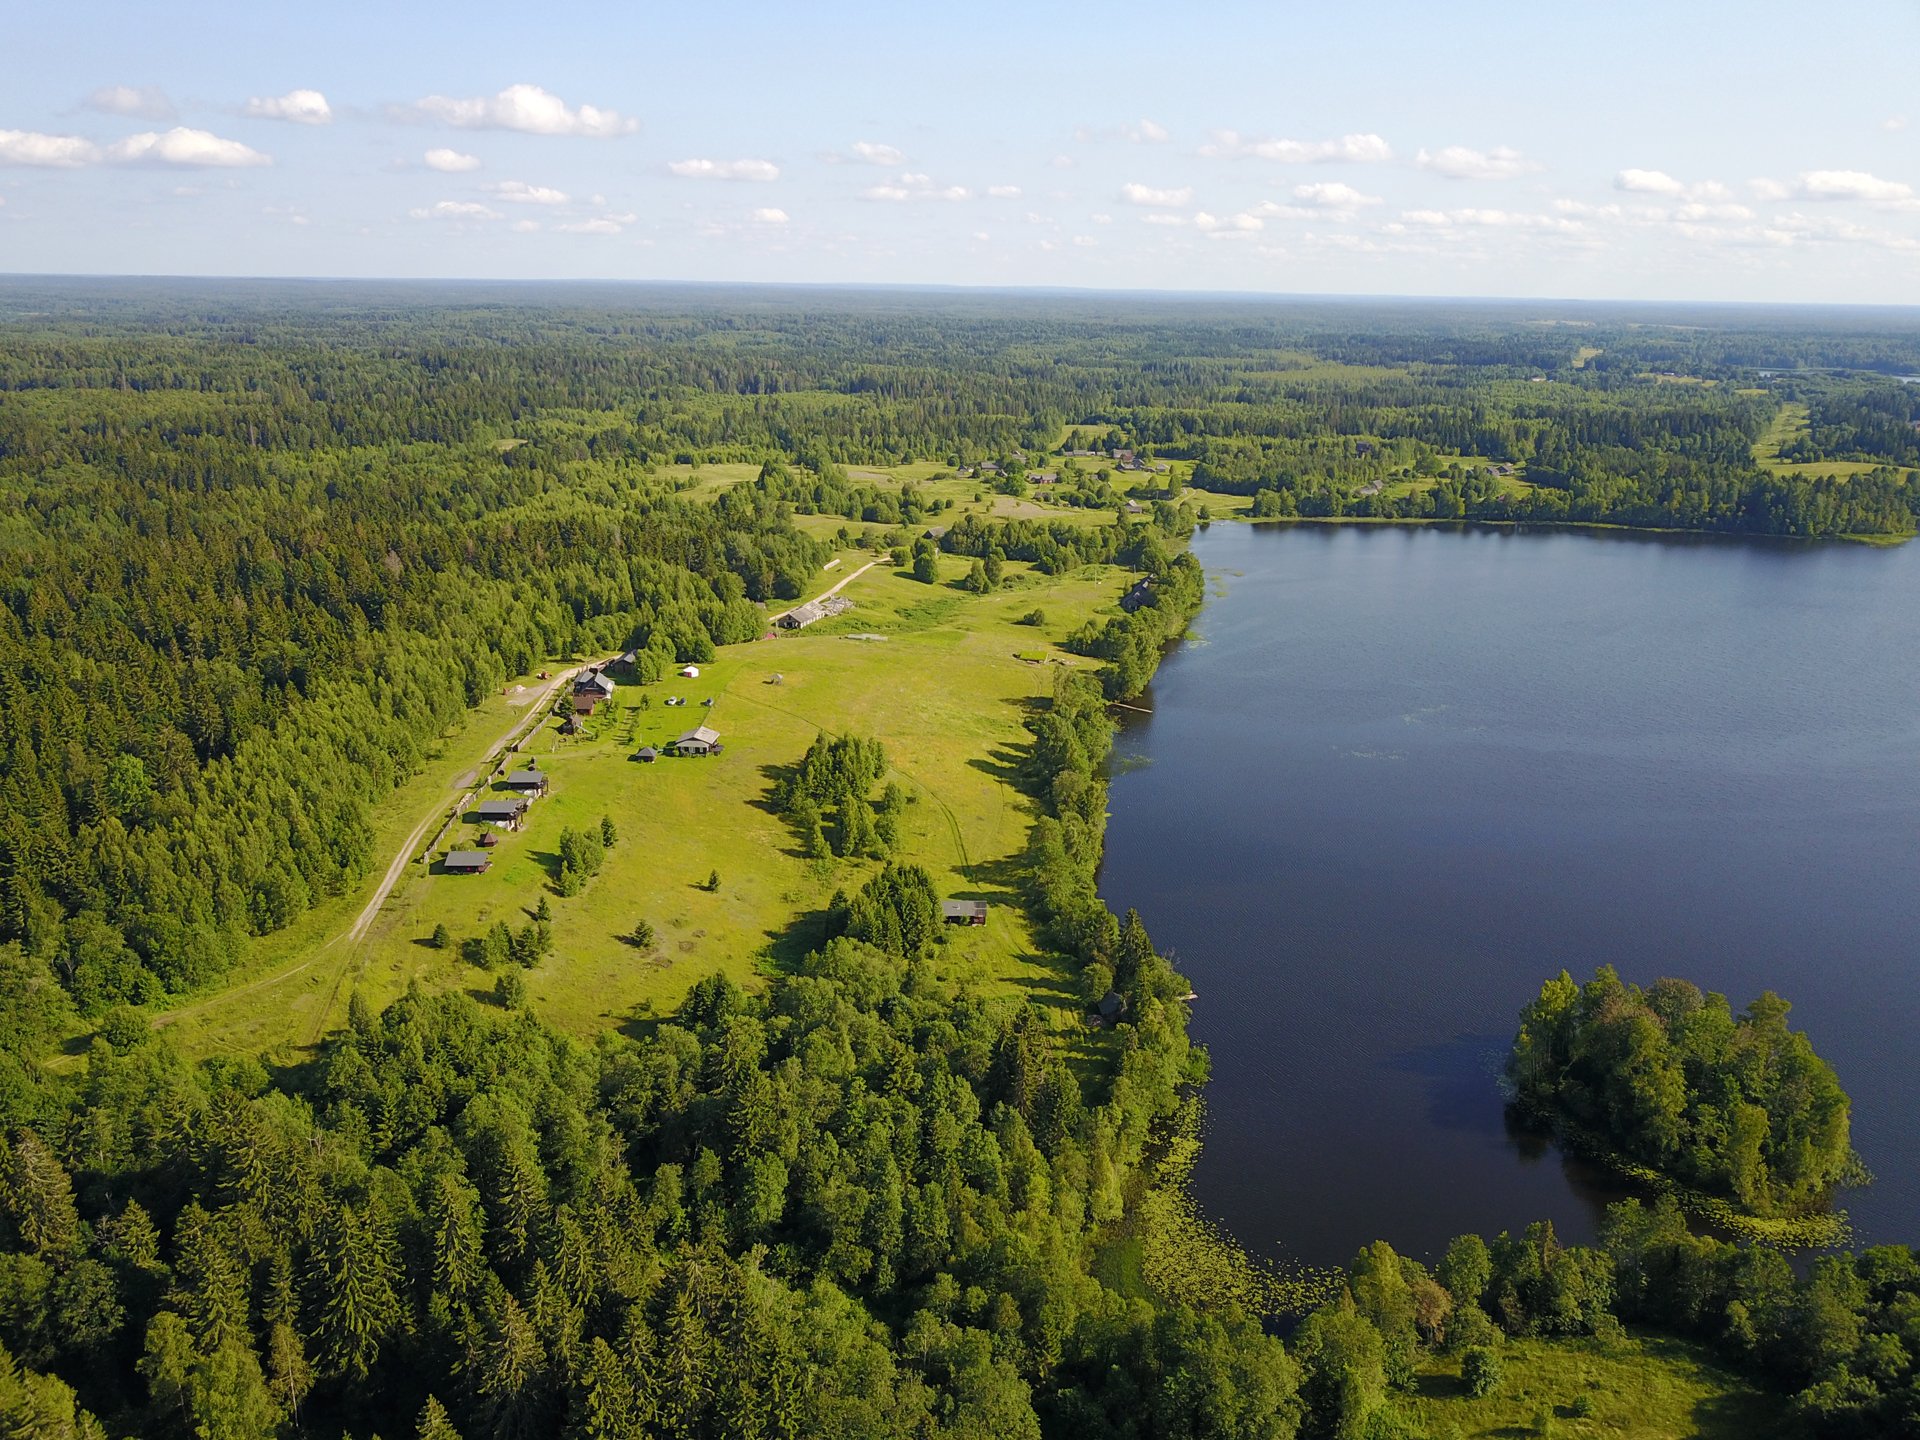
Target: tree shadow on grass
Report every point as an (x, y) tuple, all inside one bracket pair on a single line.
[(787, 947), (1003, 764)]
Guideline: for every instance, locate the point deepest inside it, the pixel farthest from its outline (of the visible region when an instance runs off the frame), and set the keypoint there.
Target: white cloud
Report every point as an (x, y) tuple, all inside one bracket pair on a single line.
[(147, 102), (724, 169), (1894, 124), (1004, 192), (1166, 219), (770, 216), (1490, 220), (873, 153), (1648, 182), (1696, 211), (1836, 229), (912, 186), (182, 146), (1458, 162), (1101, 219), (1332, 195), (1364, 149), (1085, 242), (1766, 189), (518, 192), (526, 227), (526, 108), (1851, 185), (302, 107), (602, 226), (1135, 193), (455, 210), (1147, 132), (1244, 221), (451, 162), (61, 152)]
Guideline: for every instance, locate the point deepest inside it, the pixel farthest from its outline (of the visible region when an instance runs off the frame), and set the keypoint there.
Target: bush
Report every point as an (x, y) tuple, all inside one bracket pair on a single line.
[(1482, 1370), (510, 990), (442, 938), (1034, 617), (643, 934)]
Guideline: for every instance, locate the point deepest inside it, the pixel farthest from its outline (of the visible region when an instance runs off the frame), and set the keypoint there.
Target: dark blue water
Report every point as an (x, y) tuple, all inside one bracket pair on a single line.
[(1400, 775)]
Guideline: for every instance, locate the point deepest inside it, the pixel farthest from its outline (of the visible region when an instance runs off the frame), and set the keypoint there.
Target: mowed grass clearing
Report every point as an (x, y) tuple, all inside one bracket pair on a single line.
[(944, 692), (1790, 422), (1646, 1387)]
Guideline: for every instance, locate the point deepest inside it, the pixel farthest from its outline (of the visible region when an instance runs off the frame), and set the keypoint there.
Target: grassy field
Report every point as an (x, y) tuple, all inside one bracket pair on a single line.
[(943, 691), (1788, 422), (1645, 1387)]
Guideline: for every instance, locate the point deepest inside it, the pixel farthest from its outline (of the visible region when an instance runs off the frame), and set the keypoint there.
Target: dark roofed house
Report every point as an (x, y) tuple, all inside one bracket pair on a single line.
[(1138, 595), (467, 862), (584, 701), (570, 726), (1043, 477), (595, 683), (964, 912), (701, 740), (530, 781), (647, 754), (506, 811), (1112, 1006)]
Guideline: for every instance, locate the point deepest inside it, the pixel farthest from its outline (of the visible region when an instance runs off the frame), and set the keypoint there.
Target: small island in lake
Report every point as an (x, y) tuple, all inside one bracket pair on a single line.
[(1735, 1107)]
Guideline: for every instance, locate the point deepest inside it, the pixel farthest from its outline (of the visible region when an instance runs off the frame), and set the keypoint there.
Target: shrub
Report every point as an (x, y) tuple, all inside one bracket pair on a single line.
[(510, 990), (1482, 1370), (441, 938)]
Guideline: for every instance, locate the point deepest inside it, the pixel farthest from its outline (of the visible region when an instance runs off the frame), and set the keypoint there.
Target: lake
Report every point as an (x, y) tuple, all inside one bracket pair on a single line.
[(1400, 775)]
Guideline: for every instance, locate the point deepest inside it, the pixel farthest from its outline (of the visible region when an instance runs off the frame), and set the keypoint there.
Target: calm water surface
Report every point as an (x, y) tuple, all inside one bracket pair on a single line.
[(1399, 776)]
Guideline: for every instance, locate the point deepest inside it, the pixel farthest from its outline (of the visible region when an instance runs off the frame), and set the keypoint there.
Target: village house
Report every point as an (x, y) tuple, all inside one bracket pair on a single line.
[(1138, 595), (646, 754), (506, 811), (701, 740), (1044, 477), (467, 862), (594, 682), (964, 912), (529, 782), (802, 616)]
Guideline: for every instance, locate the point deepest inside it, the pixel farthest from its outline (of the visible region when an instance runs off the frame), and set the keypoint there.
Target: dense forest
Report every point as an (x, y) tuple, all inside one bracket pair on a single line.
[(268, 542)]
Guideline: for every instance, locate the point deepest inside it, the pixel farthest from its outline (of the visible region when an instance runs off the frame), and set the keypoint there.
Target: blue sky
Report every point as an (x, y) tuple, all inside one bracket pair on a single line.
[(1759, 151)]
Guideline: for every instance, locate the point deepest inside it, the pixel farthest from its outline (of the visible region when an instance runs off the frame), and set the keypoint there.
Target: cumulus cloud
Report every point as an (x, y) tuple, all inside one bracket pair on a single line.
[(1648, 182), (1243, 222), (1766, 189), (1333, 195), (1135, 193), (1004, 192), (302, 107), (1894, 123), (770, 216), (146, 102), (1851, 185), (60, 152), (912, 186), (1459, 162), (526, 108), (1490, 219), (1147, 132), (871, 152), (182, 146), (724, 169), (451, 162), (1365, 149), (602, 226), (518, 192), (455, 210)]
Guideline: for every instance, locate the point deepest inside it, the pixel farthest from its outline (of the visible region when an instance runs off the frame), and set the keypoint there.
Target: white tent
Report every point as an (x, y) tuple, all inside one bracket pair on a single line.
[(690, 672)]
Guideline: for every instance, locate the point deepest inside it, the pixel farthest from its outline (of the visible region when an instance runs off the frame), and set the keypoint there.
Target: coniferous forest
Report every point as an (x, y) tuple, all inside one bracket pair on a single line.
[(263, 543)]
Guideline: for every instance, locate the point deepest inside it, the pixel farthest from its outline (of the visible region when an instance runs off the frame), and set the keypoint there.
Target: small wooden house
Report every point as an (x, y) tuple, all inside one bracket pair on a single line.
[(646, 754), (506, 811), (964, 912), (701, 740), (529, 782), (467, 862)]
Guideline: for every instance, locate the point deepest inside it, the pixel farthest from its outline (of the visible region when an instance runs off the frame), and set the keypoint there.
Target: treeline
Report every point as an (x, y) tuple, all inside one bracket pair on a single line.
[(860, 1203), (1734, 1105)]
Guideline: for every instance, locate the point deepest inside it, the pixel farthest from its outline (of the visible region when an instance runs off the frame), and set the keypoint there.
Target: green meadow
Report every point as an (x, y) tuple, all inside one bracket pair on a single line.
[(935, 672)]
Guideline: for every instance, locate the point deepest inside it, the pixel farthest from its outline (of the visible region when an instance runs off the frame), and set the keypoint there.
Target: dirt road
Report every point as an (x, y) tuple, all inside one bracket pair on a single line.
[(824, 594)]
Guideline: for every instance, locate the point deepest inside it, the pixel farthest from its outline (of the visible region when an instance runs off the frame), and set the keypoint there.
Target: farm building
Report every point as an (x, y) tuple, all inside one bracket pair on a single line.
[(501, 812), (646, 754), (964, 912), (595, 683), (530, 781), (1043, 477), (701, 740), (467, 862), (570, 726), (584, 701), (689, 672), (1137, 596), (802, 616)]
